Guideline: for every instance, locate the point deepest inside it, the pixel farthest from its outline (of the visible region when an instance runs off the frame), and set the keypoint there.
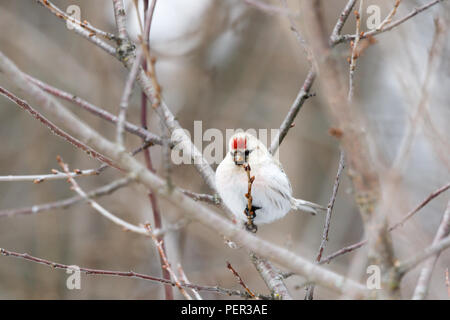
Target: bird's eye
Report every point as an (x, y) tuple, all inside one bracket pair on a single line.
[(247, 152)]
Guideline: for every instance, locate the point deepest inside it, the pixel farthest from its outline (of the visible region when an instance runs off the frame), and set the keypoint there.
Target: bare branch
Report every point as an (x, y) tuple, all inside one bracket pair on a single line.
[(341, 21), (127, 274), (343, 251), (54, 129), (432, 250), (300, 38), (439, 38), (180, 137), (149, 10), (44, 177), (390, 26), (293, 111), (420, 206), (389, 17), (121, 22), (85, 25), (241, 282), (211, 199), (425, 274), (354, 56), (165, 262), (172, 227), (108, 215), (271, 277), (186, 280), (131, 128), (349, 120), (393, 227), (126, 97), (86, 31), (99, 192), (310, 290)]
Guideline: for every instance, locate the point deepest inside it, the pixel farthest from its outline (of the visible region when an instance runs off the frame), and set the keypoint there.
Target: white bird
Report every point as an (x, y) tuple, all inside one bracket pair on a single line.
[(271, 190)]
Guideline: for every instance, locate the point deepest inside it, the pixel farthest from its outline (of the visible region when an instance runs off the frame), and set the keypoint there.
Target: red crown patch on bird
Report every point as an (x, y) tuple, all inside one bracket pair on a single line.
[(239, 143)]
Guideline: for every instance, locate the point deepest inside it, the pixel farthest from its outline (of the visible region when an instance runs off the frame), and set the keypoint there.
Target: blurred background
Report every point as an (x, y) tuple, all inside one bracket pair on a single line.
[(230, 65)]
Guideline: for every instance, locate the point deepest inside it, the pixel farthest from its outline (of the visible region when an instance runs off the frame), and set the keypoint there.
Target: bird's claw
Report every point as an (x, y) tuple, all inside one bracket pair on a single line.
[(250, 226)]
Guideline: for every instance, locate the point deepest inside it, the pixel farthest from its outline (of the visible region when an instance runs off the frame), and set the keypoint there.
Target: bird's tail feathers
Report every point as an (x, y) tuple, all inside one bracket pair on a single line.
[(298, 204)]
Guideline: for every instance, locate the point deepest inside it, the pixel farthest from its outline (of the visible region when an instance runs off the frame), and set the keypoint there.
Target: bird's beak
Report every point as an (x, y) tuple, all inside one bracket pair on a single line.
[(239, 158)]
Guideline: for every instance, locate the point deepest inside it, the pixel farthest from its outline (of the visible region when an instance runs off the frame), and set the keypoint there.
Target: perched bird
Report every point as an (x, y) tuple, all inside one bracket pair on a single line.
[(271, 190)]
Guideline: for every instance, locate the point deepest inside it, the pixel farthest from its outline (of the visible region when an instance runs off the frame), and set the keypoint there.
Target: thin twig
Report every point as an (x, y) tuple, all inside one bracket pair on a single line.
[(211, 199), (389, 17), (241, 282), (108, 215), (430, 251), (56, 130), (83, 24), (310, 290), (157, 220), (78, 28), (46, 177), (186, 280), (127, 274), (121, 22), (131, 128), (343, 251), (64, 204), (423, 283), (300, 38), (126, 98), (167, 266), (293, 111), (357, 245), (354, 53), (183, 222), (414, 12), (430, 197), (149, 66), (341, 21), (414, 125), (303, 93), (105, 190)]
